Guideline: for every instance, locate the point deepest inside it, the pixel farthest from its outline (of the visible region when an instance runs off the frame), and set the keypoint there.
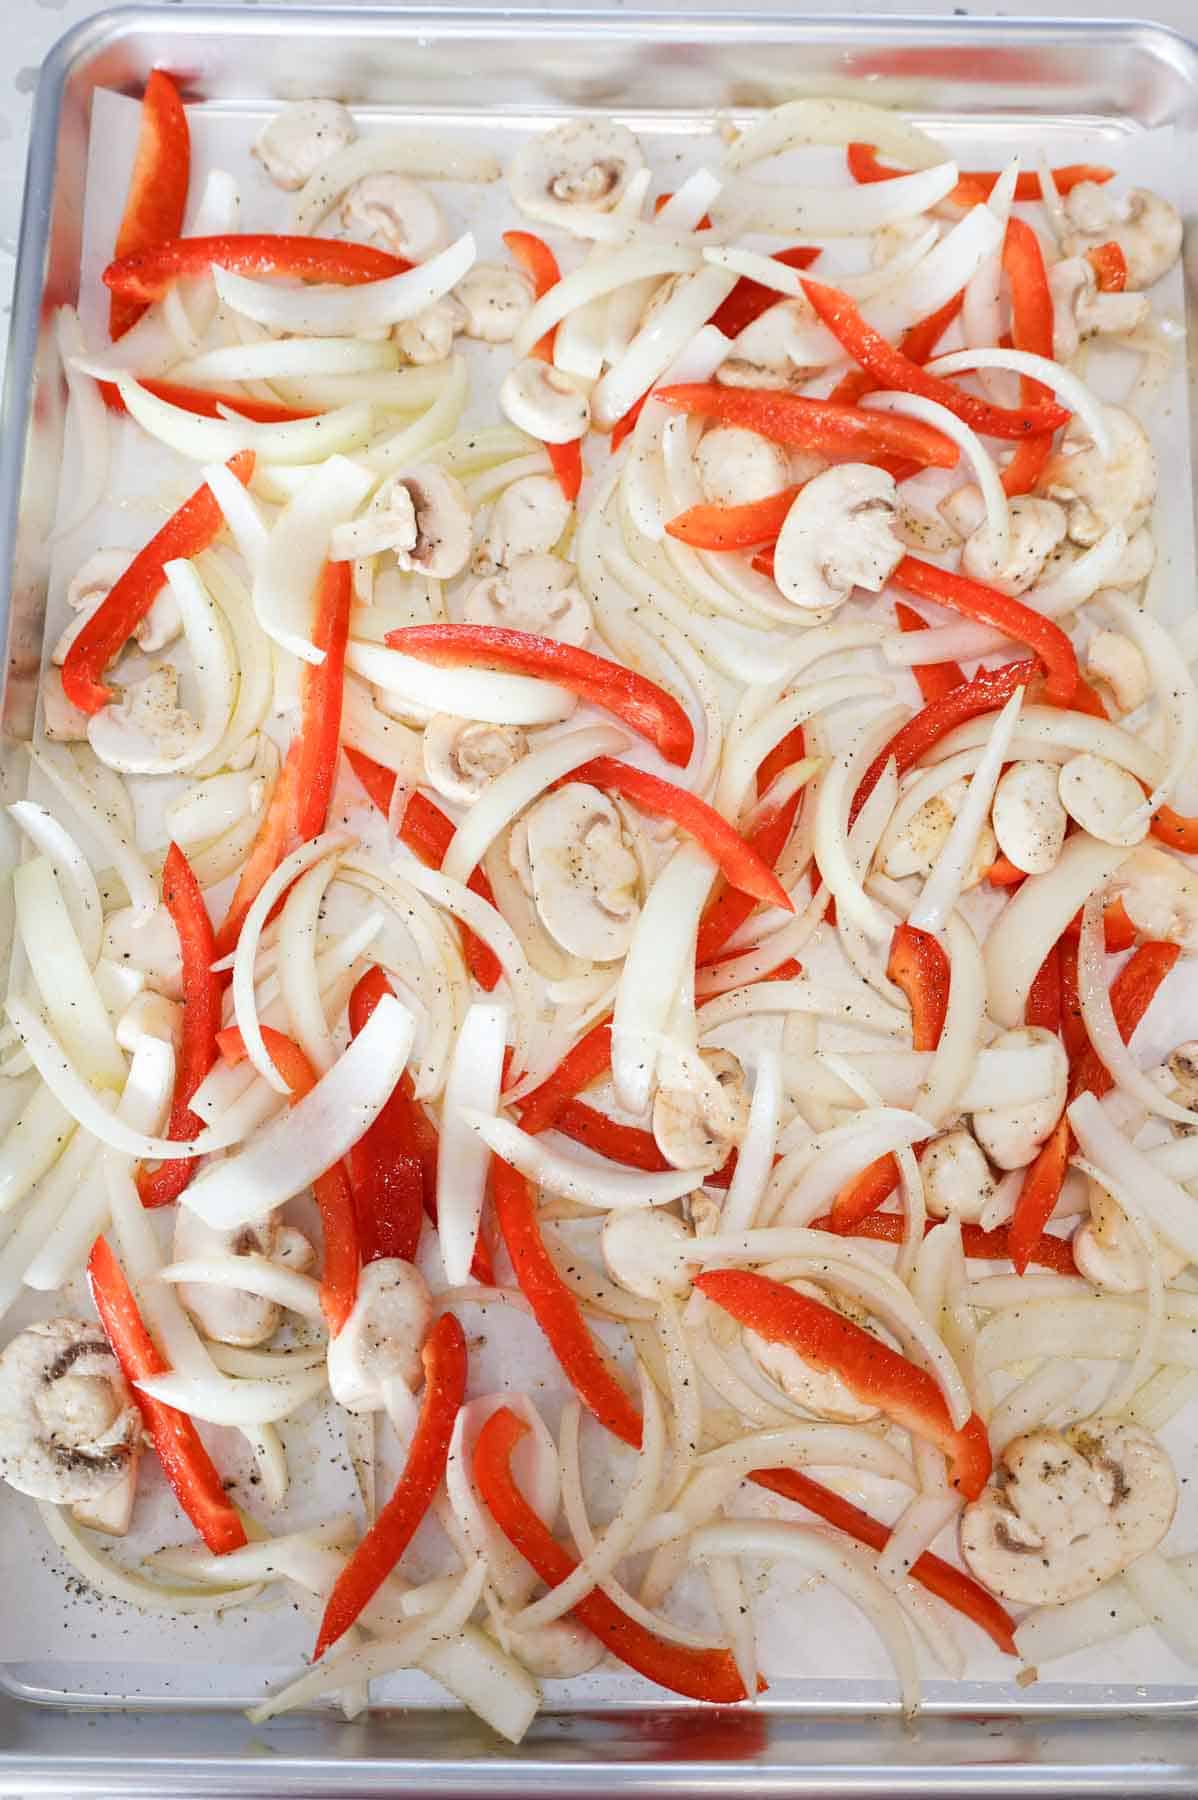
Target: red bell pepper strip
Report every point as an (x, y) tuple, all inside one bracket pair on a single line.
[(736, 858), (863, 1195), (731, 907), (698, 1674), (201, 1021), (444, 1357), (566, 462), (989, 690), (541, 266), (1109, 265), (637, 702), (1050, 1252), (627, 1144), (1039, 1194), (917, 344), (147, 274), (920, 968), (334, 1196), (385, 1171), (870, 1369), (933, 679), (157, 187), (976, 185), (1004, 873), (954, 1586), (1073, 1027), (711, 527), (974, 601), (805, 424), (275, 834), (185, 1462), (130, 598), (427, 833), (555, 1308), (625, 426), (1031, 329), (749, 298), (892, 369), (585, 1062), (1176, 829), (1043, 1005), (206, 401), (1118, 931), (321, 688)]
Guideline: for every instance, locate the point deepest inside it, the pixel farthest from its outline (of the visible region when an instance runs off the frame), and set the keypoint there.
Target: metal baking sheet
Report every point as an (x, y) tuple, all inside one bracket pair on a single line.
[(988, 87)]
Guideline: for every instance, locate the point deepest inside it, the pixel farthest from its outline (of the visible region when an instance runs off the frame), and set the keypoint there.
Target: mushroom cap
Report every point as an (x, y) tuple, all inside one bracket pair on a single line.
[(569, 852), (641, 1247), (956, 1177), (528, 519), (462, 756), (697, 1123), (536, 592), (493, 300), (1160, 896), (301, 136), (1011, 1135), (1029, 820), (397, 213), (736, 466), (227, 1315), (1103, 799), (68, 1422), (582, 166), (545, 402), (441, 511), (382, 1338), (839, 534), (146, 732)]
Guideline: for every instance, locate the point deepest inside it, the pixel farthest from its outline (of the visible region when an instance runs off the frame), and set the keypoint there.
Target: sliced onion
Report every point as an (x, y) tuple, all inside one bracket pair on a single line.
[(832, 122), (404, 446), (1169, 1208), (463, 1161), (1069, 389), (104, 1576), (602, 276), (27, 1251), (1106, 1330), (639, 481), (821, 1446), (825, 1164), (1058, 731), (241, 514), (223, 1402), (659, 342), (299, 983), (71, 870), (276, 357), (598, 1183), (327, 311), (944, 885), (985, 470), (55, 762), (1034, 1402), (832, 845), (251, 1274), (659, 957), (366, 727), (811, 698), (64, 978), (536, 1469), (255, 683), (426, 156), (943, 272), (852, 1006), (1166, 1604), (492, 698), (1151, 1298), (832, 212), (1078, 580), (941, 1090), (1175, 693), (207, 440), (755, 1153), (231, 1359), (1102, 1029), (914, 1532), (288, 566), (944, 643), (1161, 1398), (90, 421)]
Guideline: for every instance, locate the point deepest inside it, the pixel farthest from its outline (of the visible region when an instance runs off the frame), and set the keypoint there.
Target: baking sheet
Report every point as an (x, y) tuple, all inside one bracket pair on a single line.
[(57, 1640)]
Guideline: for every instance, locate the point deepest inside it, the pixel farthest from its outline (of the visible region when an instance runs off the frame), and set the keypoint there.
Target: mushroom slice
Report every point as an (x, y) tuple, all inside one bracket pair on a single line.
[(397, 213), (1011, 1135), (428, 336), (146, 731), (1098, 492), (68, 1422), (643, 1252), (62, 721), (1103, 799), (1029, 820), (527, 520), (545, 402), (302, 136), (440, 515), (956, 1177), (699, 1123), (580, 167), (494, 299), (819, 1391), (761, 355), (914, 850), (227, 1315), (461, 756), (1160, 896), (839, 534), (1108, 1252), (1145, 226), (1069, 1511), (1080, 310), (736, 466), (571, 857), (91, 586), (1037, 527), (536, 593), (382, 1339)]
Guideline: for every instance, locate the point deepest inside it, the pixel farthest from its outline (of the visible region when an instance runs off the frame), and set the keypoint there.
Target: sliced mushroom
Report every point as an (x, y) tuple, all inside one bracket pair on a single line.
[(761, 354), (494, 299), (1011, 1135), (736, 466), (536, 593), (644, 1252), (302, 136), (580, 167), (1029, 820), (62, 721), (1099, 492), (1117, 661), (382, 1339), (91, 586), (839, 534), (147, 727), (428, 336), (397, 213), (112, 1511), (437, 539), (1160, 897), (956, 1177), (1103, 799), (696, 1125), (1070, 1510), (1081, 311), (68, 1422), (1037, 527), (545, 402), (462, 756), (1108, 1251), (527, 520), (557, 1651), (230, 1315), (572, 859), (819, 1391), (913, 851), (1145, 226), (1136, 563)]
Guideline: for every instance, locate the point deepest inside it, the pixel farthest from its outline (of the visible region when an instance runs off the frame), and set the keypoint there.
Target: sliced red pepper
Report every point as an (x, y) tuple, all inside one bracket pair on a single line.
[(555, 1308), (627, 1144), (334, 1196), (130, 598), (785, 754), (157, 187), (920, 968), (185, 1462), (624, 427), (933, 679), (989, 690), (730, 908), (321, 688), (974, 601), (1043, 1005), (633, 699), (147, 274), (275, 835), (749, 298), (444, 1358), (976, 185), (952, 1585), (202, 989), (917, 344), (1050, 1252), (698, 1674), (736, 858), (1031, 330), (870, 1369), (566, 462), (892, 369), (1004, 873), (711, 527), (205, 400), (1176, 830), (806, 424), (541, 266), (1073, 1027), (863, 1195), (427, 832), (1039, 1194), (1109, 265), (585, 1062), (1118, 931), (385, 1171)]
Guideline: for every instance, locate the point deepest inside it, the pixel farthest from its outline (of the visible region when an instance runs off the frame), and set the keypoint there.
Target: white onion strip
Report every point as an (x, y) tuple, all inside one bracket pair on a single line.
[(1055, 731), (659, 341), (1175, 693), (276, 357), (535, 1464), (505, 797), (1110, 1612), (1172, 1212), (71, 870), (603, 276), (755, 1153), (823, 1166), (956, 1054), (1102, 1029), (289, 564), (91, 424), (1069, 389), (604, 1185), (474, 1078), (66, 983), (54, 761), (658, 959), (207, 440), (820, 1446), (832, 212), (244, 1402), (1151, 1297), (299, 981), (1060, 593), (242, 516), (251, 1274), (942, 889), (832, 122), (1166, 1604), (328, 311), (420, 154), (104, 1576), (490, 697)]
